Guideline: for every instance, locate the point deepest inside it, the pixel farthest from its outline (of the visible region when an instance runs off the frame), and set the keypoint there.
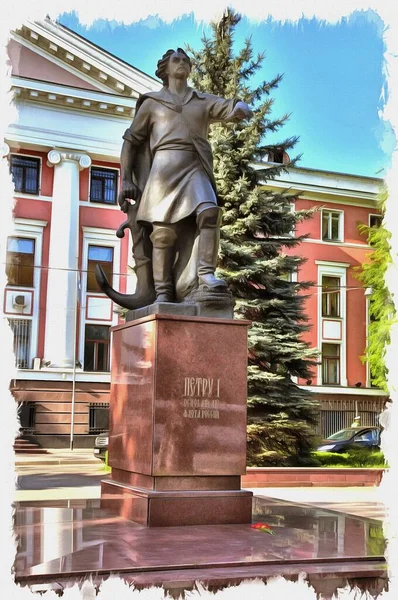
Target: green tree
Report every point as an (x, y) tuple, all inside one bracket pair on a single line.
[(256, 232), (382, 312)]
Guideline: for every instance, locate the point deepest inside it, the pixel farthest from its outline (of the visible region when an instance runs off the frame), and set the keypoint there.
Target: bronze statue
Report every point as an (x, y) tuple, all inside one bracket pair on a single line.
[(168, 189)]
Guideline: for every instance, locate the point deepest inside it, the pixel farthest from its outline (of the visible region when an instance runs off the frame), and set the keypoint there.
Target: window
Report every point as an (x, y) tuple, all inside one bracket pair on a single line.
[(103, 187), (21, 329), (20, 261), (331, 364), (365, 437), (27, 416), (328, 528), (375, 220), (25, 172), (96, 348), (331, 225), (98, 418), (330, 296), (286, 276), (104, 256)]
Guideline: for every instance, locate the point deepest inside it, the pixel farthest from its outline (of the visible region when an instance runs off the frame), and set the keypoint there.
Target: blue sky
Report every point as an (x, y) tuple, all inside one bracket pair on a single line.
[(332, 85)]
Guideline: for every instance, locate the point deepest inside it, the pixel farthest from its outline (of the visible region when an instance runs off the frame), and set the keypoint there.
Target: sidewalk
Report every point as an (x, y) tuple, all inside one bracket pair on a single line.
[(57, 456), (359, 501)]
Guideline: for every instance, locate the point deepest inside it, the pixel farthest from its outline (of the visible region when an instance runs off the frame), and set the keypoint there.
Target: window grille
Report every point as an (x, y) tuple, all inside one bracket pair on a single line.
[(103, 187), (25, 173), (98, 417), (21, 329)]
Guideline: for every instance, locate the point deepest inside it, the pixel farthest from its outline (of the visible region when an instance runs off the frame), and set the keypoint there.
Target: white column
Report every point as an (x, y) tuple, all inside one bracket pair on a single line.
[(63, 262)]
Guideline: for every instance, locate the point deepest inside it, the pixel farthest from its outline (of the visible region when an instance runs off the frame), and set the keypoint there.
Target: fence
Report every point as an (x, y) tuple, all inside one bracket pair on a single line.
[(340, 413)]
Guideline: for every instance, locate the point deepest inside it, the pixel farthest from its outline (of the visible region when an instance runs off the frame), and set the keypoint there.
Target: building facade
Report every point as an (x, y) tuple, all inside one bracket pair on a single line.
[(338, 305), (74, 102)]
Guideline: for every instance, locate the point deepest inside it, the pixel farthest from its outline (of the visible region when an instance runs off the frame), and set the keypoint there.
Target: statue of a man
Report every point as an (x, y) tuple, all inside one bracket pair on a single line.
[(168, 183)]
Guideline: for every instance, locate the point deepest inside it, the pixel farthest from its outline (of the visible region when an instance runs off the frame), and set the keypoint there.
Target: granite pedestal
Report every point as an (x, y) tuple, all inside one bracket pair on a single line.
[(177, 441)]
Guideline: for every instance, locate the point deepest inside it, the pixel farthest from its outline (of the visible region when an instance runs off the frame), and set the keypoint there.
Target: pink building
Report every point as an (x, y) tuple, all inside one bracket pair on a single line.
[(338, 303), (74, 102)]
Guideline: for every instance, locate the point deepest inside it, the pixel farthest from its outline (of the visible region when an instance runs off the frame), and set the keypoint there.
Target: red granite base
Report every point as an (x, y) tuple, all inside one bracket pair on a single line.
[(177, 434), (93, 543), (176, 508)]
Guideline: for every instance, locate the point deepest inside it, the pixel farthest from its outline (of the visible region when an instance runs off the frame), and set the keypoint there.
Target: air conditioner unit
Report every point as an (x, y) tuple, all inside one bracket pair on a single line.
[(19, 300)]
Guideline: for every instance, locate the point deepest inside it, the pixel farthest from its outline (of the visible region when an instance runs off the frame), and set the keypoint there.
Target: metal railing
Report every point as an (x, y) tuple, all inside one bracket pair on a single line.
[(21, 329), (333, 420)]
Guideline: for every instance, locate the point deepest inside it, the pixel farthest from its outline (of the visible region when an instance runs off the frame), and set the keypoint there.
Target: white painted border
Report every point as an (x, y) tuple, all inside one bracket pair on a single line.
[(33, 229), (341, 225), (367, 323), (336, 270), (330, 320), (64, 375), (99, 237), (337, 243), (374, 215), (19, 195), (352, 391)]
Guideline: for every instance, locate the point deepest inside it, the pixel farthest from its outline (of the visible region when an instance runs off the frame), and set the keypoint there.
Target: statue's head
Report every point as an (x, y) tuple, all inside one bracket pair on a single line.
[(172, 62)]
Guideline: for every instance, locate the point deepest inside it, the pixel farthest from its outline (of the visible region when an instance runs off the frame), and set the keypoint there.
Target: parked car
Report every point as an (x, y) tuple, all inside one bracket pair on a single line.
[(352, 437), (101, 445)]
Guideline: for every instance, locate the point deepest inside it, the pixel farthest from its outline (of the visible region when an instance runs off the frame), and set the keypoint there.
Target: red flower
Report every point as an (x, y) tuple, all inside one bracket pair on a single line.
[(262, 527)]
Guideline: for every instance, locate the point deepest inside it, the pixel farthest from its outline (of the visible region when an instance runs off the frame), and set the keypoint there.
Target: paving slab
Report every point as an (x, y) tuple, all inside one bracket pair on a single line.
[(58, 457), (359, 501), (330, 548)]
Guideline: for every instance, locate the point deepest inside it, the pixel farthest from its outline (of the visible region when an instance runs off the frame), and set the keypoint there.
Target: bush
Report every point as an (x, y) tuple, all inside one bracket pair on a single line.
[(107, 468), (355, 458), (359, 457), (331, 459)]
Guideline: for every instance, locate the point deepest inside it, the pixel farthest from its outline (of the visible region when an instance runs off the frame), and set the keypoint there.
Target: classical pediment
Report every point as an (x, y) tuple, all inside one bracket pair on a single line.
[(48, 51), (28, 64)]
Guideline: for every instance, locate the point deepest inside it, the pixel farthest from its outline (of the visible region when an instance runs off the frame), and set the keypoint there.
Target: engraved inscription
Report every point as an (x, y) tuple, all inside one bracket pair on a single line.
[(201, 386), (201, 398)]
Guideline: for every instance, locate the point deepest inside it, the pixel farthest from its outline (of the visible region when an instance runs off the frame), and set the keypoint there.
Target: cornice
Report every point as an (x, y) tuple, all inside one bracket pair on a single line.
[(325, 186), (58, 95), (46, 139), (343, 390)]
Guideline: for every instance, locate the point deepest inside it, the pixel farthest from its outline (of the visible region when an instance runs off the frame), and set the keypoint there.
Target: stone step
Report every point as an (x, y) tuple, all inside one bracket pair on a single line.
[(24, 446)]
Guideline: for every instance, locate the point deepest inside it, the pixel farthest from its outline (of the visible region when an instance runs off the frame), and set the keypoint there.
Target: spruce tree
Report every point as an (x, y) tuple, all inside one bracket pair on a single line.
[(256, 233), (382, 312)]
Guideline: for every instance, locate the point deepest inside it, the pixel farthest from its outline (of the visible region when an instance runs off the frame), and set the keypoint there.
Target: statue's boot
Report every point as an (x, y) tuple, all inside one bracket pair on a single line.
[(209, 239), (163, 255)]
